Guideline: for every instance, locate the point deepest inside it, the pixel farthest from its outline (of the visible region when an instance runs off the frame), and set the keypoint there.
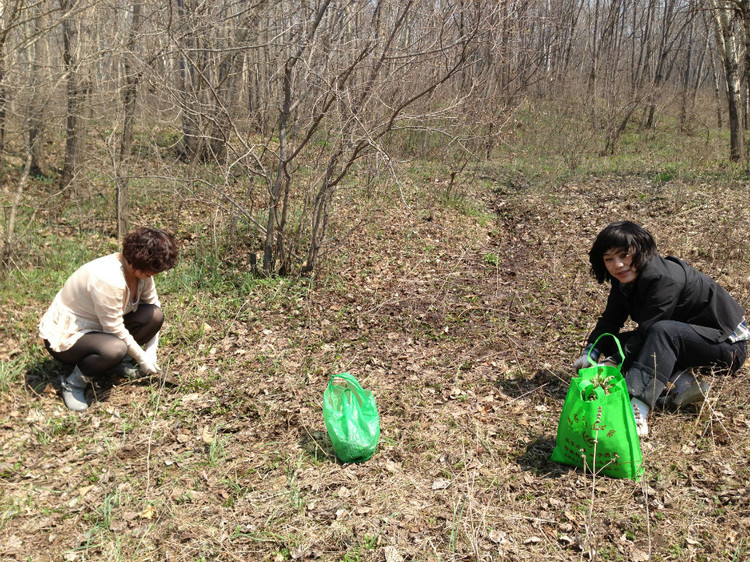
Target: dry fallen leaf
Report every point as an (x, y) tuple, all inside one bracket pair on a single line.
[(498, 537), (207, 435), (391, 467), (441, 484), (147, 513), (392, 555), (532, 540)]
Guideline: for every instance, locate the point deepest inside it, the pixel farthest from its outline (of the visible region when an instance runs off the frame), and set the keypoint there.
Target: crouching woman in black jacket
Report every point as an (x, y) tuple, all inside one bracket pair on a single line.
[(685, 320)]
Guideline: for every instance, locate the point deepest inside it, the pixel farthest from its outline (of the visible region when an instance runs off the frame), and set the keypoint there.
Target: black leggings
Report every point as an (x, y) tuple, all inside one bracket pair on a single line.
[(96, 352)]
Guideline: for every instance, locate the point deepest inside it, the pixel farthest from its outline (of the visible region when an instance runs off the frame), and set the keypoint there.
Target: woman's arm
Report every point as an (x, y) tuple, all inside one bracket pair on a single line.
[(656, 299), (614, 316), (108, 302)]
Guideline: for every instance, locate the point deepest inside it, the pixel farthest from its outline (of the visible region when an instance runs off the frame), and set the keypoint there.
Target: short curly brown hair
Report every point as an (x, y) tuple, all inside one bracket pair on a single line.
[(150, 249)]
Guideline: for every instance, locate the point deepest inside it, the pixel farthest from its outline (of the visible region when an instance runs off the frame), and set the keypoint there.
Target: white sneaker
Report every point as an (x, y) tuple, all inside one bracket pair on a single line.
[(640, 412)]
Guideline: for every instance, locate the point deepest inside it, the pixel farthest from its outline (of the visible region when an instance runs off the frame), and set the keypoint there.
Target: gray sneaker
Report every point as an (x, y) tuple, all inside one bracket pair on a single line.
[(130, 372), (74, 390), (679, 382), (126, 369)]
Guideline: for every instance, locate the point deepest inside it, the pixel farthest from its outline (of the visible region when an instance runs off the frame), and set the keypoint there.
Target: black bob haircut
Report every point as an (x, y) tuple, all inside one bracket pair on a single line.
[(625, 236)]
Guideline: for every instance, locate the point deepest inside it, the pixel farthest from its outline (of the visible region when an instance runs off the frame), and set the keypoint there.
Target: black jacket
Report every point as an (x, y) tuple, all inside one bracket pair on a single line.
[(669, 289)]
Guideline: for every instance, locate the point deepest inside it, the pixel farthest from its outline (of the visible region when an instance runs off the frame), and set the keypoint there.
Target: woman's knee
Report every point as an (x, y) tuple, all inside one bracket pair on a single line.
[(96, 351), (113, 351), (152, 324), (144, 322), (158, 317), (661, 327), (150, 316)]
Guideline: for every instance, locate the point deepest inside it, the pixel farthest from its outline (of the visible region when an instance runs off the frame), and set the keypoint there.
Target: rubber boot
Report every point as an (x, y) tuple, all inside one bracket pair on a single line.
[(679, 382), (694, 394), (74, 390)]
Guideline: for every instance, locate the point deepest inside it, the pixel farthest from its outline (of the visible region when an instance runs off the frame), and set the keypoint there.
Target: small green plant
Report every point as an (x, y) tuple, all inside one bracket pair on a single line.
[(216, 450), (65, 425), (10, 374), (741, 551), (663, 177), (492, 259)]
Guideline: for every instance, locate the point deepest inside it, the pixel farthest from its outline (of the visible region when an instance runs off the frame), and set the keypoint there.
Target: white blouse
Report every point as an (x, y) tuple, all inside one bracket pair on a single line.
[(94, 299)]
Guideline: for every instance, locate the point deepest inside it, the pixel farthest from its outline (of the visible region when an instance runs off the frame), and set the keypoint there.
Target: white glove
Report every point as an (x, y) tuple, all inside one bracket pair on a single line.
[(149, 367), (150, 348), (148, 364)]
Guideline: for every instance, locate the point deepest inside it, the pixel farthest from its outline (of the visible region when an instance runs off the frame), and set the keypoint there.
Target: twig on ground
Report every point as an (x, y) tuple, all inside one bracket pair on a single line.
[(317, 445), (162, 379)]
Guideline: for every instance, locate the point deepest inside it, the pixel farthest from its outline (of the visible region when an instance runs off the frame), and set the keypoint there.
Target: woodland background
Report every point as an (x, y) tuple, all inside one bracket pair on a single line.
[(405, 190)]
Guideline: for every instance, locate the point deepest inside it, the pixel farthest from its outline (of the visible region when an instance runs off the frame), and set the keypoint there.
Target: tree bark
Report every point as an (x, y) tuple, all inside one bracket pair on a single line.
[(726, 38), (129, 96), (76, 92)]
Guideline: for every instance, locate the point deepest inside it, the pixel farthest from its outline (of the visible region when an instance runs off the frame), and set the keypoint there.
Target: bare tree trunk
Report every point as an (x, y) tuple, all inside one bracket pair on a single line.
[(8, 247), (3, 97), (129, 97), (745, 9), (594, 64), (726, 39), (35, 120), (275, 234), (668, 42), (191, 137), (686, 79), (76, 93), (717, 95), (693, 75), (9, 15)]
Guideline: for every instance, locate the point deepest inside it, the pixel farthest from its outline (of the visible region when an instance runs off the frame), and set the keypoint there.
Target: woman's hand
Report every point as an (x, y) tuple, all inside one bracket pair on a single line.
[(581, 363), (149, 367), (590, 353)]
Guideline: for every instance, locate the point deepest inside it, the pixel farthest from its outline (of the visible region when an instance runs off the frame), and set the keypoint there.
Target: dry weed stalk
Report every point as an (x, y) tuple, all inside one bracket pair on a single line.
[(590, 514), (714, 416), (587, 546), (162, 380), (644, 489)]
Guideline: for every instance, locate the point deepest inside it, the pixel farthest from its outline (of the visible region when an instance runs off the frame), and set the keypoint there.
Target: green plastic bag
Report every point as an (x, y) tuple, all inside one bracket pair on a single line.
[(351, 418), (597, 423)]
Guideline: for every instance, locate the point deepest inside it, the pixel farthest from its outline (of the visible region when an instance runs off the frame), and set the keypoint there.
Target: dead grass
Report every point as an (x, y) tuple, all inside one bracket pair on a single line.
[(464, 325)]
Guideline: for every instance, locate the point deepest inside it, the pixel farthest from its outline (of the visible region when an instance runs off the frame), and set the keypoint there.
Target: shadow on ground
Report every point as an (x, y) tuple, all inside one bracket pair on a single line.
[(536, 459), (318, 445), (553, 385), (45, 377)]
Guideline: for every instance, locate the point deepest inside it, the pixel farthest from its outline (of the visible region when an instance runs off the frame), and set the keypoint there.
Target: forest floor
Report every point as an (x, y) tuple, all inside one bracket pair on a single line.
[(462, 315)]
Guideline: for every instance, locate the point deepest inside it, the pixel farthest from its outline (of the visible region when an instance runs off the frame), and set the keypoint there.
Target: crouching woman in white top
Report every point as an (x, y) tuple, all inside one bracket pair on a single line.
[(108, 309)]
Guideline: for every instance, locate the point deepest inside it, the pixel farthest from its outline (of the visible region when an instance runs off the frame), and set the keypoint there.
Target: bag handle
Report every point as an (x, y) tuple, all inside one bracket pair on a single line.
[(619, 348), (348, 377)]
